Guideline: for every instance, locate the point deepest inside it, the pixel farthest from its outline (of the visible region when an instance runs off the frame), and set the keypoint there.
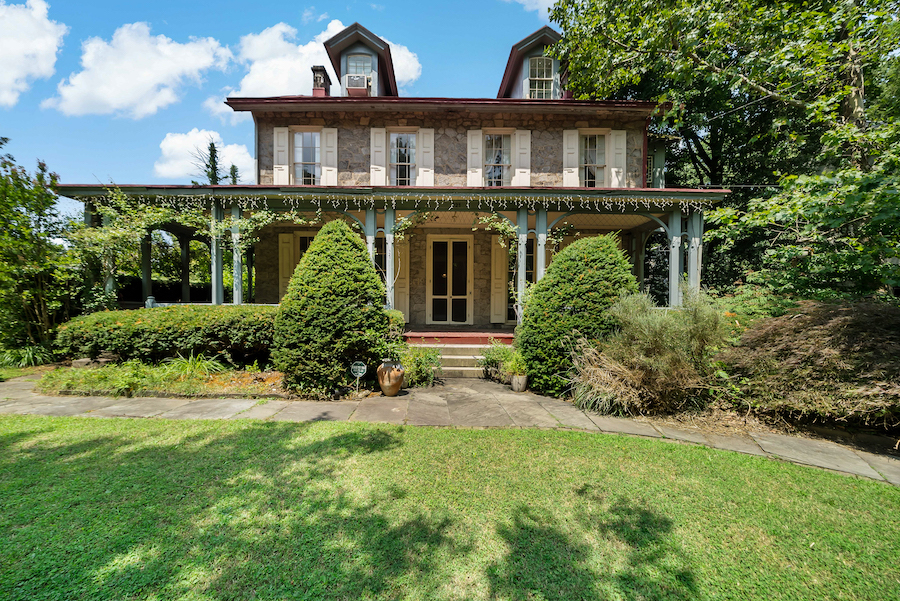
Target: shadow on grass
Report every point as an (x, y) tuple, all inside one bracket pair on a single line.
[(261, 512), (545, 560)]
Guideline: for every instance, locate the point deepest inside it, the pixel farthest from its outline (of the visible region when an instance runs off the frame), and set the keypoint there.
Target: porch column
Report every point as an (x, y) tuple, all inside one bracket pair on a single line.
[(146, 270), (522, 226), (640, 257), (389, 256), (675, 258), (109, 265), (371, 227), (184, 244), (540, 253), (237, 266), (215, 255), (695, 248)]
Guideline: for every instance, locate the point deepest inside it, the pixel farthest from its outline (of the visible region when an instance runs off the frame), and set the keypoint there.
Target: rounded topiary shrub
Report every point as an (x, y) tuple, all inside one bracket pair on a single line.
[(331, 315), (570, 301)]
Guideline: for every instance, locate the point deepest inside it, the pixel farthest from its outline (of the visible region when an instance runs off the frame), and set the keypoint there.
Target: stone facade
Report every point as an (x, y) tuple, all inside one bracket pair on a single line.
[(450, 140)]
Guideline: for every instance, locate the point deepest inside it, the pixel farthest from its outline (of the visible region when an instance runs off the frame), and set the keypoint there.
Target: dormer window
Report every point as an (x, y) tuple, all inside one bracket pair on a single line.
[(359, 64), (540, 77)]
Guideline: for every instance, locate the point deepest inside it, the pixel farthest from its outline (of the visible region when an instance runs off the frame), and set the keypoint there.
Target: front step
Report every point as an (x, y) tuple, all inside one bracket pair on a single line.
[(460, 350)]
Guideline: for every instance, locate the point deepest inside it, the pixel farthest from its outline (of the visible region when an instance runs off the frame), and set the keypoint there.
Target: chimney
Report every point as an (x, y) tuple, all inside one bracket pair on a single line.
[(321, 81)]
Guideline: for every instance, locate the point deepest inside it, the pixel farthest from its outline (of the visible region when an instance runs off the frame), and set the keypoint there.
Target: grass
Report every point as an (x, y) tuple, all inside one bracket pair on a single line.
[(7, 373), (153, 509), (180, 377)]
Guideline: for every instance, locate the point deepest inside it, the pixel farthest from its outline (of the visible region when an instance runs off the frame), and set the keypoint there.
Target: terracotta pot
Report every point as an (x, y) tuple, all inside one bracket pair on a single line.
[(519, 383), (390, 377)]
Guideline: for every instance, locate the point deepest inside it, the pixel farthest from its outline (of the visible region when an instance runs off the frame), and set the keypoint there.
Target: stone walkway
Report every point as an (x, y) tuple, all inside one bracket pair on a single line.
[(458, 403)]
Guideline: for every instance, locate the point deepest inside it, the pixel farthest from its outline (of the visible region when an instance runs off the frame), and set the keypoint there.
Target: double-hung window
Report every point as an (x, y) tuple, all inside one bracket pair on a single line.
[(497, 160), (540, 77), (359, 64), (403, 159), (307, 158), (592, 161)]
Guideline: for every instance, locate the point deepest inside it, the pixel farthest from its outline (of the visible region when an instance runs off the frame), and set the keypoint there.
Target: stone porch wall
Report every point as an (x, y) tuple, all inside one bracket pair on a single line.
[(450, 134)]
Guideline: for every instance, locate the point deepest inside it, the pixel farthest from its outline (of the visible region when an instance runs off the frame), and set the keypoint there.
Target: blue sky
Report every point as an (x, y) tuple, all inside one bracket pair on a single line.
[(123, 91)]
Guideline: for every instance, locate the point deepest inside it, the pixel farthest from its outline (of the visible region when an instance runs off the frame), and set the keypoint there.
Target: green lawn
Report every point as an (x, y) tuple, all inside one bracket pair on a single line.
[(152, 509)]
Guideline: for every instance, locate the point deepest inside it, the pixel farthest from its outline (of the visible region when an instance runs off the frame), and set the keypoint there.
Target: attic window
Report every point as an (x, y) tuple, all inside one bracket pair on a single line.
[(540, 77), (359, 64)]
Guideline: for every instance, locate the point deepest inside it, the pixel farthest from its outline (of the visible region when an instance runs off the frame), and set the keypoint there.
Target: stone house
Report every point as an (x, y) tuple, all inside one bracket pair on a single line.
[(438, 185)]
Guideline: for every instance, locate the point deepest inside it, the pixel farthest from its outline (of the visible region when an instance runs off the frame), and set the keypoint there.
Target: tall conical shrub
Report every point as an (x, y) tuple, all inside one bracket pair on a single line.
[(571, 300), (331, 315)]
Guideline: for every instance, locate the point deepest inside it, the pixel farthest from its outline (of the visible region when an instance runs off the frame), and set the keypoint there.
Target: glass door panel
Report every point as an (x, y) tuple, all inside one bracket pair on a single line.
[(450, 285)]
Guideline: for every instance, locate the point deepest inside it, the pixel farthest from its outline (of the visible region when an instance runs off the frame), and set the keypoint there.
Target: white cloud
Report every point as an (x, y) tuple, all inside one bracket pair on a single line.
[(309, 15), (277, 66), (541, 6), (135, 74), (177, 158), (29, 43)]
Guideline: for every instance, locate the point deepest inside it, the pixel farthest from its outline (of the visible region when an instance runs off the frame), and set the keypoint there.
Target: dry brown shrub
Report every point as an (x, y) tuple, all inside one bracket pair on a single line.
[(824, 362)]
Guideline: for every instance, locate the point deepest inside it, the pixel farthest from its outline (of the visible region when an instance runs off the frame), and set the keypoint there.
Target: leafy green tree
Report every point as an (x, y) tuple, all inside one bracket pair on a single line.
[(807, 59), (234, 178), (36, 280)]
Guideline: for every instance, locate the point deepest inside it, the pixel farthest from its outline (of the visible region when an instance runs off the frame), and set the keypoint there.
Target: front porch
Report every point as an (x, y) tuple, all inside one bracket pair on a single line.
[(443, 267)]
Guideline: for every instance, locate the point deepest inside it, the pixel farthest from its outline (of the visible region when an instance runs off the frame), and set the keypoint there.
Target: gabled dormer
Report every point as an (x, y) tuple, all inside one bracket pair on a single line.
[(530, 73), (362, 62)]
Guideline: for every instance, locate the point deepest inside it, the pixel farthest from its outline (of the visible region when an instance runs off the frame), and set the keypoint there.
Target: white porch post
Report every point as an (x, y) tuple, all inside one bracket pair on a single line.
[(675, 258), (146, 269), (521, 250), (540, 253), (389, 256), (695, 248), (237, 264), (640, 257), (109, 264), (371, 226), (215, 251)]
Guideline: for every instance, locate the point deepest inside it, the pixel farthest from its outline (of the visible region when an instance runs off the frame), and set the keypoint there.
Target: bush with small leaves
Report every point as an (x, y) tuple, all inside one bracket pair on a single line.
[(570, 302), (331, 315)]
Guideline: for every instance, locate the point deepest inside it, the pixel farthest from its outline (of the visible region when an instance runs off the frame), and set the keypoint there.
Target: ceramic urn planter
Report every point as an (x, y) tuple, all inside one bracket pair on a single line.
[(390, 377)]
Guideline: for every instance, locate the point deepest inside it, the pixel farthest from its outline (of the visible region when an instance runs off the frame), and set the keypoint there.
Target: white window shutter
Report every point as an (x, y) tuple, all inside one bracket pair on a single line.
[(281, 157), (286, 262), (329, 156), (617, 164), (378, 162), (499, 281), (401, 278), (522, 167), (570, 158), (425, 158), (475, 162)]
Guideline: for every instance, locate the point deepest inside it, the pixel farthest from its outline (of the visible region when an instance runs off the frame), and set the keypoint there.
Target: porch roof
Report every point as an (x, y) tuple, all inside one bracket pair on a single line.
[(447, 198)]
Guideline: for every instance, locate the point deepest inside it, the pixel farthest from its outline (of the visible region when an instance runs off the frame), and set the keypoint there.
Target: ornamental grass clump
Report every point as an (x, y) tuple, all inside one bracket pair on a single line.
[(660, 360), (331, 315), (571, 301)]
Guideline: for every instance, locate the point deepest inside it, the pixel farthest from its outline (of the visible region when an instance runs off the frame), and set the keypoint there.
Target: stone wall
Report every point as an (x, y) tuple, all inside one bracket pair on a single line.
[(450, 139)]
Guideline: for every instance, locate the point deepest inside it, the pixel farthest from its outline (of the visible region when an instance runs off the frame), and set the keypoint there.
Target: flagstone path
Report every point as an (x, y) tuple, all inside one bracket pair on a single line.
[(465, 403)]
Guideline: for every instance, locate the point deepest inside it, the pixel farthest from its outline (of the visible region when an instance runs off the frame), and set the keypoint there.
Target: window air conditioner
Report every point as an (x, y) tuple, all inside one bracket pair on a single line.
[(356, 85)]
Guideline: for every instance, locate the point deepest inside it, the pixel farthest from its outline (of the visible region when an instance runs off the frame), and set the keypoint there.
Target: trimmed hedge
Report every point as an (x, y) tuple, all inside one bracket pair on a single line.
[(241, 334), (582, 282), (331, 315)]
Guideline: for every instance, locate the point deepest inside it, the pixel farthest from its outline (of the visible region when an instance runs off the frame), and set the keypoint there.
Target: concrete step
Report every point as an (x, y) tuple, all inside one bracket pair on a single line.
[(458, 338), (462, 372), (448, 350), (460, 360)]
